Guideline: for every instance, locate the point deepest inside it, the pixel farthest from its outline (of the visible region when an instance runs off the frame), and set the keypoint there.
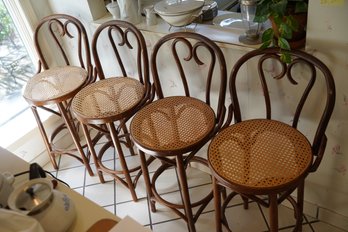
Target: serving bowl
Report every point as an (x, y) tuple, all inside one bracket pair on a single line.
[(179, 13)]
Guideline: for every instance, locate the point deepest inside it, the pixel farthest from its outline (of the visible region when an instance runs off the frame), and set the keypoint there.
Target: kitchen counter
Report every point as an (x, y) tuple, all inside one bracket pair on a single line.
[(87, 212), (227, 37)]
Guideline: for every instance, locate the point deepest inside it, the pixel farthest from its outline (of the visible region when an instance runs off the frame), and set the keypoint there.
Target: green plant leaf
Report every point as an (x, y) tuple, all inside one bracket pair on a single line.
[(277, 19), (279, 7), (267, 35), (262, 11), (285, 57), (285, 30), (292, 22), (283, 43), (266, 44)]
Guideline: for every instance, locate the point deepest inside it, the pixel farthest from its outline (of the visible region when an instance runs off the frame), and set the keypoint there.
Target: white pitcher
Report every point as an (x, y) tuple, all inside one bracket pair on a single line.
[(129, 11)]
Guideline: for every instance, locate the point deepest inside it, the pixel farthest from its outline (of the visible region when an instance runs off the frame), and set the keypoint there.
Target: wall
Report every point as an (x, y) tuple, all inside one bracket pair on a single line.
[(327, 38)]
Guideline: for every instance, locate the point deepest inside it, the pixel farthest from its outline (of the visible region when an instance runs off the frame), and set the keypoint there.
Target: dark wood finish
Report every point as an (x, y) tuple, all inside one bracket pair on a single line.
[(103, 225), (114, 100), (55, 30), (262, 158), (174, 128)]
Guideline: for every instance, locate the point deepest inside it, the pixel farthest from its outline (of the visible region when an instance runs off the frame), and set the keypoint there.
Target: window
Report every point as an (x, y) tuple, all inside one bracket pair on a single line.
[(16, 67)]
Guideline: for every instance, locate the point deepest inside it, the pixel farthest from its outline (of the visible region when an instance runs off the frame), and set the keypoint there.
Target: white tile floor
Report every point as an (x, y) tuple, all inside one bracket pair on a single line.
[(115, 198)]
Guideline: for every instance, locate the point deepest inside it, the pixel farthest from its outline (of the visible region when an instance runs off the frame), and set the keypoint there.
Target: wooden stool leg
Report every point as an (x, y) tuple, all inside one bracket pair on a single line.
[(75, 137), (245, 202), (300, 199), (128, 140), (185, 193), (146, 176), (217, 203), (117, 144), (92, 150), (273, 212), (44, 136)]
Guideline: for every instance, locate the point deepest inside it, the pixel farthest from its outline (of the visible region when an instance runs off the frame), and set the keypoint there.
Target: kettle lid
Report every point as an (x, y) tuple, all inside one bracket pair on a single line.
[(31, 196)]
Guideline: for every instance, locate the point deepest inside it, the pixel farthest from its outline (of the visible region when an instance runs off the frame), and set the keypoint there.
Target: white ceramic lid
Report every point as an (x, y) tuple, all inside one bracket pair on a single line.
[(174, 7)]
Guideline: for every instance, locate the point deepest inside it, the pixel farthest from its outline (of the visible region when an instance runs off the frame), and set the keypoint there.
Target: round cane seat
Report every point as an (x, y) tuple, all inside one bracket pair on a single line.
[(259, 155), (172, 125), (54, 85), (108, 100)]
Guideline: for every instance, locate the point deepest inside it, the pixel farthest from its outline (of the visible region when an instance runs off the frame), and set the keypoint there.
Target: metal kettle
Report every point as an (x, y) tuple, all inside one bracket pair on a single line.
[(53, 209)]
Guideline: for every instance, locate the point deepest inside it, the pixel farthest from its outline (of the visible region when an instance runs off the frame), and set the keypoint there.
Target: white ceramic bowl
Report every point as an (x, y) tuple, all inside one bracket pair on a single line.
[(179, 13)]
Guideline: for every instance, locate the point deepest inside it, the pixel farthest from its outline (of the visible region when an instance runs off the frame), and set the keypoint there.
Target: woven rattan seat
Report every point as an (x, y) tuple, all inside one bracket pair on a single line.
[(110, 102), (107, 100), (265, 156), (172, 125), (175, 127), (58, 80), (266, 153), (54, 85)]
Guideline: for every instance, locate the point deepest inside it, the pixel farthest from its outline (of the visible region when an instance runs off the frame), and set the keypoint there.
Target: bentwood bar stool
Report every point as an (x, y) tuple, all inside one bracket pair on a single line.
[(175, 127), (266, 156), (109, 103), (58, 80)]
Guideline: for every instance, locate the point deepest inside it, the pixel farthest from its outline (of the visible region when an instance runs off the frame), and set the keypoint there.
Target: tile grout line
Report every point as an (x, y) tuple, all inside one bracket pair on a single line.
[(263, 216), (114, 182), (149, 210)]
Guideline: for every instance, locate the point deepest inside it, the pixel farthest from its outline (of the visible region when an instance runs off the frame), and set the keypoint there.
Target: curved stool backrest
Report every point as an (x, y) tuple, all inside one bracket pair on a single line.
[(303, 76), (62, 34), (195, 54), (115, 37)]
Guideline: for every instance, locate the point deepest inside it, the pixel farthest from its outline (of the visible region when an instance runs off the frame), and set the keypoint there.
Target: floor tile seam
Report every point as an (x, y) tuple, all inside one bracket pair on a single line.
[(211, 211), (71, 167), (149, 212), (84, 181), (178, 217), (108, 205), (106, 181), (178, 190), (114, 158), (114, 195), (293, 226), (308, 222), (114, 181), (75, 153), (263, 215), (304, 215), (94, 184), (182, 210), (128, 201), (134, 174), (166, 221)]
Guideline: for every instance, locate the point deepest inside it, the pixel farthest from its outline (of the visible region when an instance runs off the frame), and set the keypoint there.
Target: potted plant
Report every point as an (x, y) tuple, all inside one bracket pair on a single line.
[(289, 19)]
